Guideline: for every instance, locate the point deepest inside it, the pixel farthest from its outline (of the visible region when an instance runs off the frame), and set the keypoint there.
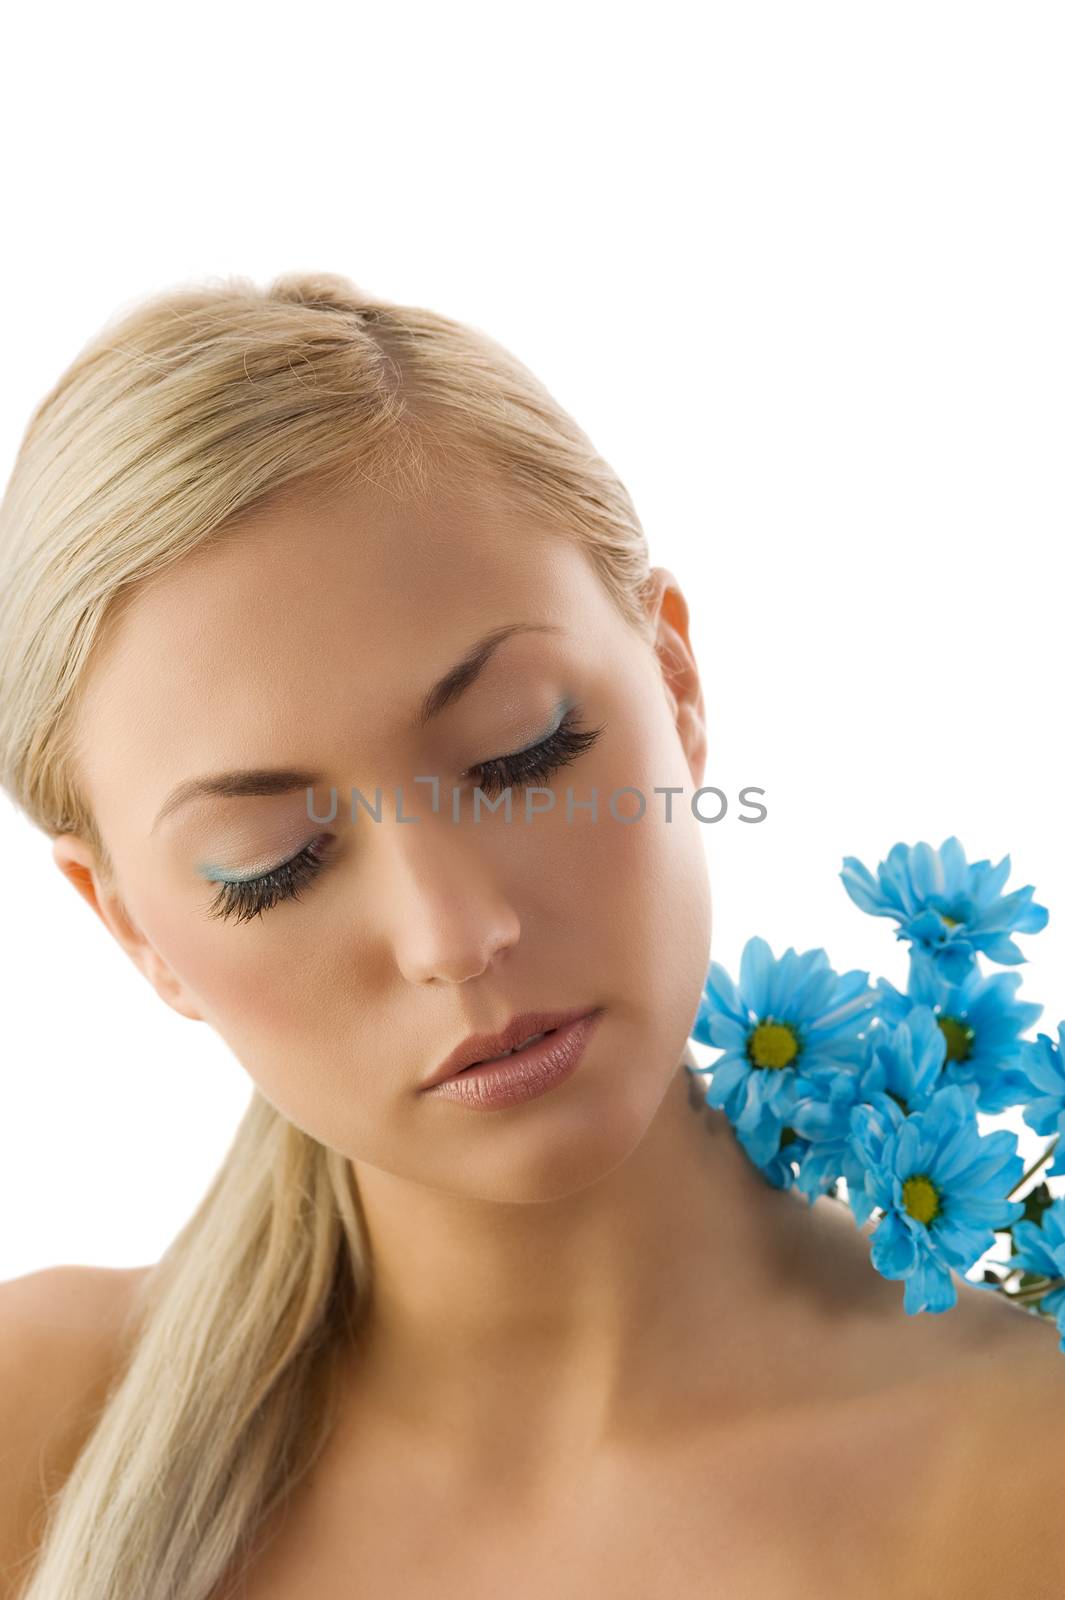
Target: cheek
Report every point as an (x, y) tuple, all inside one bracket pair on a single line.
[(287, 998), (631, 882), (246, 978), (271, 996), (651, 875)]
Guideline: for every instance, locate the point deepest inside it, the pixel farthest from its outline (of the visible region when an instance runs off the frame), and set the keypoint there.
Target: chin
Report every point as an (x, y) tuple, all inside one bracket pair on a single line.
[(588, 1135)]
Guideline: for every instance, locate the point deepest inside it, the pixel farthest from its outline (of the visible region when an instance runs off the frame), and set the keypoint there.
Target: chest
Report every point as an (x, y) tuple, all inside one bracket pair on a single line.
[(788, 1514)]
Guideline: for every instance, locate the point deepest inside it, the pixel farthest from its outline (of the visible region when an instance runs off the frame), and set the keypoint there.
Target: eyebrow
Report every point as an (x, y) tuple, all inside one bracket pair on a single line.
[(243, 782)]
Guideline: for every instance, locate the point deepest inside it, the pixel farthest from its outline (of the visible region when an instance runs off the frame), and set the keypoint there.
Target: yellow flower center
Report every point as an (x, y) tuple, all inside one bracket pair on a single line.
[(959, 1037), (921, 1198), (772, 1044), (951, 922)]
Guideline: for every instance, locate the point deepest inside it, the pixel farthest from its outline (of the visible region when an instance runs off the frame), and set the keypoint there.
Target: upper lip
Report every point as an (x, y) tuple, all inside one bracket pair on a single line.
[(482, 1046)]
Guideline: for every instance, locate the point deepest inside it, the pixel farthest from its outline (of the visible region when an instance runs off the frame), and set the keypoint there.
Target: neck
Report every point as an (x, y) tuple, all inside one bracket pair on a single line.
[(576, 1321)]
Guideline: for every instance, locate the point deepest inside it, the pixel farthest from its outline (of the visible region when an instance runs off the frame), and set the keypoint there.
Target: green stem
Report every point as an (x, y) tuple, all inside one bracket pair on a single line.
[(1047, 1153), (1036, 1291)]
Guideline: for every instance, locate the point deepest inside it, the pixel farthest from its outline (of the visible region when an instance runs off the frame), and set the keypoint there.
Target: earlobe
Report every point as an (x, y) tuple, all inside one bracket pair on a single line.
[(169, 989), (76, 862)]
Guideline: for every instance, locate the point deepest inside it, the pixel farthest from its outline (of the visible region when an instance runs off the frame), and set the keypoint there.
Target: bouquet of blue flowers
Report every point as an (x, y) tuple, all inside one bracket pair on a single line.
[(826, 1078)]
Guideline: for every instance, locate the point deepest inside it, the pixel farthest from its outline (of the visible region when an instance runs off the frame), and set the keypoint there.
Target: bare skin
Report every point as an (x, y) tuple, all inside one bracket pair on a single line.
[(603, 1354), (841, 1447), (925, 1461)]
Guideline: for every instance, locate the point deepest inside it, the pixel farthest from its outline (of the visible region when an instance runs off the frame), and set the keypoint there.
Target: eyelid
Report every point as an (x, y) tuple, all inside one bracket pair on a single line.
[(247, 898), (216, 874), (563, 709), (537, 763)]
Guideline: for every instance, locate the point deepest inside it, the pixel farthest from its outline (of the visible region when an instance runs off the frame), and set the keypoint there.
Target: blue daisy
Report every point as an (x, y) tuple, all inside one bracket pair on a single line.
[(786, 1018), (1040, 1249), (1043, 1064), (946, 908), (906, 1061), (821, 1118), (943, 1187), (901, 1072), (982, 1022)]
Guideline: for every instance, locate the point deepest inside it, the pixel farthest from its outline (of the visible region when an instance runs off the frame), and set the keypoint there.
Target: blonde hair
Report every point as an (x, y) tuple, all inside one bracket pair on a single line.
[(178, 418)]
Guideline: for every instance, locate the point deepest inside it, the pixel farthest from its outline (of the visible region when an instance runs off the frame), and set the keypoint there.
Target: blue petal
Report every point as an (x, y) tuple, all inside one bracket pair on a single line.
[(893, 1251), (756, 967)]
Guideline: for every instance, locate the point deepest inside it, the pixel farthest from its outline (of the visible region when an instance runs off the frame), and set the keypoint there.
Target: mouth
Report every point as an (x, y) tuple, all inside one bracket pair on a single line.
[(505, 1054), (532, 1066), (524, 1035)]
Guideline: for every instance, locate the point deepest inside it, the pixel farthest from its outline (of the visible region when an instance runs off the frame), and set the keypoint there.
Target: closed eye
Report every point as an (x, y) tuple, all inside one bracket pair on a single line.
[(537, 763), (245, 898)]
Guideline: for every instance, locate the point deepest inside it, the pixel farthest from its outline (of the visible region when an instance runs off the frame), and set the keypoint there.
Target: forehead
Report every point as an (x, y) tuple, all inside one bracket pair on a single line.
[(317, 612)]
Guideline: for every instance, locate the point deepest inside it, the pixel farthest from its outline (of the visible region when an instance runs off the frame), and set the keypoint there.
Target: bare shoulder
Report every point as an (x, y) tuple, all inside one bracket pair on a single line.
[(953, 1422), (63, 1333), (1001, 1463), (986, 1414), (61, 1325)]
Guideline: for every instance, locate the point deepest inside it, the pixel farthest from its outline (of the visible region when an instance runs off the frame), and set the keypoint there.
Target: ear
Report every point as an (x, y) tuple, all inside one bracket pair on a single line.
[(77, 863), (668, 611)]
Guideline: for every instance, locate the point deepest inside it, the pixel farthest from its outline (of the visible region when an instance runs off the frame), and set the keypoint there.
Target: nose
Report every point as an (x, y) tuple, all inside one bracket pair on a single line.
[(450, 918)]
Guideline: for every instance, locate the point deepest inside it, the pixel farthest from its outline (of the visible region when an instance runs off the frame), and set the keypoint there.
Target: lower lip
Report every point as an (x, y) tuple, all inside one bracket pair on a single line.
[(526, 1074)]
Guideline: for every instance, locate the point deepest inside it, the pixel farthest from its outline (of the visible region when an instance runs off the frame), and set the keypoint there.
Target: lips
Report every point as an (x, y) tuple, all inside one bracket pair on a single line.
[(486, 1046), (504, 1055)]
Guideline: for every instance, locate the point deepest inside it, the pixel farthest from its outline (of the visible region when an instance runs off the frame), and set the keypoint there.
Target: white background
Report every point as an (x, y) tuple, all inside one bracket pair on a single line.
[(798, 272)]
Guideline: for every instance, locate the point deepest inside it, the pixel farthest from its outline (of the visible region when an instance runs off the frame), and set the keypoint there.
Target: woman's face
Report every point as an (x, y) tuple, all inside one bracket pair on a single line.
[(307, 641)]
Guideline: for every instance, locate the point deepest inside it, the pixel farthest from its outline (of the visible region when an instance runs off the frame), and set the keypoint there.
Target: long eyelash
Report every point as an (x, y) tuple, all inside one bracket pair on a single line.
[(539, 762), (253, 896)]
